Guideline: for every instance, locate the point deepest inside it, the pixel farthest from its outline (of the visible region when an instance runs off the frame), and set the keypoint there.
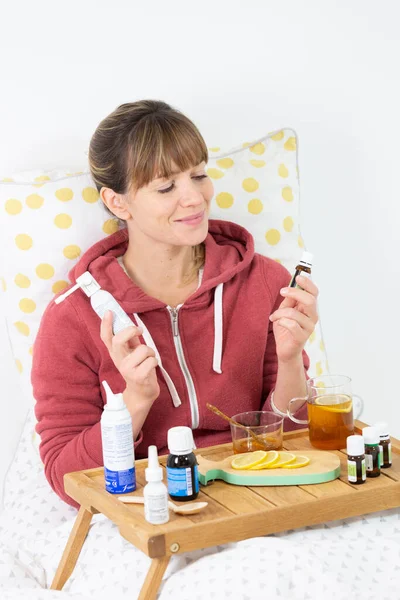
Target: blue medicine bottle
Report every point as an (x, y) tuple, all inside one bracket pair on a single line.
[(182, 475)]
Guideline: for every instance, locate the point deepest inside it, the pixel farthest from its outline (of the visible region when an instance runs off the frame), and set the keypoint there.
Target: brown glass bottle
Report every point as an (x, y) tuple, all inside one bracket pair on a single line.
[(303, 268), (372, 461), (356, 459), (385, 442)]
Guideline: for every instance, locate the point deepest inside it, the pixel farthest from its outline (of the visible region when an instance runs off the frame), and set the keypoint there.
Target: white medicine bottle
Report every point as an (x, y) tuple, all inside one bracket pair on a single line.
[(117, 442), (155, 493)]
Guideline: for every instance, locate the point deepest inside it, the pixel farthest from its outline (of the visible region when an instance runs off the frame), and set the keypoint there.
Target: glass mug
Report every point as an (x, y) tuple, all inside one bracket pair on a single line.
[(330, 411)]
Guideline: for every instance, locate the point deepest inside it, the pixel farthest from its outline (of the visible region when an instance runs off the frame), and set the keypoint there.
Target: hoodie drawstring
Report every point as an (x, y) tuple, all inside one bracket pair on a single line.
[(218, 331), (150, 343)]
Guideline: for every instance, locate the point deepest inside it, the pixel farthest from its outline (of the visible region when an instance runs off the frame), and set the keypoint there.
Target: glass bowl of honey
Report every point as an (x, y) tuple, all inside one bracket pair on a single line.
[(261, 430)]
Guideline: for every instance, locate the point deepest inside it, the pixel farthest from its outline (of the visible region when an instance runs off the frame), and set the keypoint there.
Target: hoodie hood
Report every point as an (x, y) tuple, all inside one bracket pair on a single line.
[(229, 248)]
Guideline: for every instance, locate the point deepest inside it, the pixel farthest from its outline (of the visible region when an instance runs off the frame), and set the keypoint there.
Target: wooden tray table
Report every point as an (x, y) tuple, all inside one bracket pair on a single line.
[(234, 512)]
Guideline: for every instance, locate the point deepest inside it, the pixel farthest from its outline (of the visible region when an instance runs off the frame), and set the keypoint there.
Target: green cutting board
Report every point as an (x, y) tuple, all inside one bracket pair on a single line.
[(323, 467)]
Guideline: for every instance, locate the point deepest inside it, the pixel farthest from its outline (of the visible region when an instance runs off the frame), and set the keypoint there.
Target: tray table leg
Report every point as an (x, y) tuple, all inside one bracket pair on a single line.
[(153, 578), (72, 549)]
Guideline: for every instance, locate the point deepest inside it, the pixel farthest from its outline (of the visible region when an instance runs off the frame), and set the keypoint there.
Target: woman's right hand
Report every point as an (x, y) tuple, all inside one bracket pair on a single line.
[(135, 361)]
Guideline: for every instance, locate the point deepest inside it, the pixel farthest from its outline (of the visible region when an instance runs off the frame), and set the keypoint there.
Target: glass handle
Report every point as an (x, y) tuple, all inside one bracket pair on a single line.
[(360, 406), (290, 414)]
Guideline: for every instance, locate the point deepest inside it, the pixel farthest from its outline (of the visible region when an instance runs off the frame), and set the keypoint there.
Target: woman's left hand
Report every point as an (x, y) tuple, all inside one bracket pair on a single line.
[(295, 319)]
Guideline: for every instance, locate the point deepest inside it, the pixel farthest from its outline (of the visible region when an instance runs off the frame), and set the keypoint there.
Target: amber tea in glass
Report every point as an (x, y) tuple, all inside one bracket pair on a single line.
[(267, 426)]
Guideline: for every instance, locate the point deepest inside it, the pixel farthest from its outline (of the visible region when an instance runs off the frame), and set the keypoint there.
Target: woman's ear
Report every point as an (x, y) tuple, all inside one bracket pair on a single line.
[(116, 203)]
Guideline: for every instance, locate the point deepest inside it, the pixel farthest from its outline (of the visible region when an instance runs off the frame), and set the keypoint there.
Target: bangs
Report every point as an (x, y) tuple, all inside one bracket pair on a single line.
[(160, 144)]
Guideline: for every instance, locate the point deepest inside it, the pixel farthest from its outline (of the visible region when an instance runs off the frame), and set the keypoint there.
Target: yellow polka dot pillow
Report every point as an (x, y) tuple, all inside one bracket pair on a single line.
[(49, 219)]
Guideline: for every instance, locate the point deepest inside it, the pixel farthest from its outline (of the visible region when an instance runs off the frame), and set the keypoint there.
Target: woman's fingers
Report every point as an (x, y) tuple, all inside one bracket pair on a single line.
[(292, 313), (295, 329), (123, 341)]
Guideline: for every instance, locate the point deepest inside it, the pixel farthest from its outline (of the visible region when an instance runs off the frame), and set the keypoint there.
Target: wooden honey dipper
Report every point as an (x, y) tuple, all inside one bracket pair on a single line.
[(216, 410)]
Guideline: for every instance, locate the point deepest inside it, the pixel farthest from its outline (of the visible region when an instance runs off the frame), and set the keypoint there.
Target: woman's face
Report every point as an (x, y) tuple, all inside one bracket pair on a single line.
[(173, 211)]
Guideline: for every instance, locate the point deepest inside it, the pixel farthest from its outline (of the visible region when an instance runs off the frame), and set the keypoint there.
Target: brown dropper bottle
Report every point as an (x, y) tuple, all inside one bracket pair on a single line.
[(303, 268)]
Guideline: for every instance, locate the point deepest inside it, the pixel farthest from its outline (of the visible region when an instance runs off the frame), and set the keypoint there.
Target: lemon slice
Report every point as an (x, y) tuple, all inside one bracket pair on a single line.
[(325, 403), (284, 459), (300, 461), (248, 460), (271, 458)]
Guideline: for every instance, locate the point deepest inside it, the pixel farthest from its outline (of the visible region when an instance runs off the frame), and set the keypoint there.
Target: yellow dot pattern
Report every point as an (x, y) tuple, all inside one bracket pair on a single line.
[(13, 207), (288, 224), (44, 271), (110, 226), (215, 173), (34, 201), (90, 195), (59, 286), (64, 194), (283, 171), (3, 284), (225, 163), (224, 200), (23, 241), (63, 221), (250, 184), (273, 237), (72, 251), (258, 148), (19, 365), (255, 206), (22, 328), (287, 194), (290, 144), (257, 163), (27, 305), (277, 137), (22, 281)]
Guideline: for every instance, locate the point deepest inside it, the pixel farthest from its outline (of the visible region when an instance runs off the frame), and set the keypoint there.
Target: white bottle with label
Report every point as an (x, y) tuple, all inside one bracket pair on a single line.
[(117, 441), (155, 492), (101, 301)]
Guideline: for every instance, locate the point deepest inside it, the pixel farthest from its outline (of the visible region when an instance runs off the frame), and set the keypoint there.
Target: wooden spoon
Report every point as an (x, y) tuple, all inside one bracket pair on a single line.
[(185, 509)]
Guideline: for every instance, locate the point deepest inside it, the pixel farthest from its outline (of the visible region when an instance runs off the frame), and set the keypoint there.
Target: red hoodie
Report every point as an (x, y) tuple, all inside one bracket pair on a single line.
[(221, 349)]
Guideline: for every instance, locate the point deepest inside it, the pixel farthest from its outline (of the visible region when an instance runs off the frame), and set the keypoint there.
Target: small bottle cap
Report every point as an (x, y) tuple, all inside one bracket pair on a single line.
[(370, 435), (307, 258), (355, 445), (383, 428), (180, 440), (114, 401), (153, 472)]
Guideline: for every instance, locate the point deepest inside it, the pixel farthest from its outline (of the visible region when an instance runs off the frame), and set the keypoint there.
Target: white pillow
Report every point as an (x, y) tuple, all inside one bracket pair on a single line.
[(48, 219)]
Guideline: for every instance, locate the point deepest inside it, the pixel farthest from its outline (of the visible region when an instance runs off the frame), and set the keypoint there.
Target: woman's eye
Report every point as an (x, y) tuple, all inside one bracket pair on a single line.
[(168, 189), (171, 187)]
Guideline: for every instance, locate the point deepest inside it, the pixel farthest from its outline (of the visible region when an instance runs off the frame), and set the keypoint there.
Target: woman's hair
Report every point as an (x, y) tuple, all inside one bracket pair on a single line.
[(143, 140)]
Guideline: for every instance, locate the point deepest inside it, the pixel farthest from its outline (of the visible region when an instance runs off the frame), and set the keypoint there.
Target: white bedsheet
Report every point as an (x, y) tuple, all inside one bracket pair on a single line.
[(352, 559)]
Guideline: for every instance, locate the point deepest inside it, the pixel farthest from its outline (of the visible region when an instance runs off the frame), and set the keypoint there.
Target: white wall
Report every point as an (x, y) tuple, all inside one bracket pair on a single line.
[(241, 69)]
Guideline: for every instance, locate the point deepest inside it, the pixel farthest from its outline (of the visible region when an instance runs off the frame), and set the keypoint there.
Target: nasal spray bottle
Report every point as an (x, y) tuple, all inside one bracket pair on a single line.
[(101, 301), (155, 492), (117, 440)]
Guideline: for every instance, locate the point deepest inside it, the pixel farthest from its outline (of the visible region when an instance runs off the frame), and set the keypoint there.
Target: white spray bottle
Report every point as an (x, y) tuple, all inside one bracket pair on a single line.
[(101, 301), (155, 492), (117, 441)]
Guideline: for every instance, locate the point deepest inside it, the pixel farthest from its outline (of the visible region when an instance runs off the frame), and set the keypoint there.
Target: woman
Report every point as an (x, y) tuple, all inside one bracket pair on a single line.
[(215, 321)]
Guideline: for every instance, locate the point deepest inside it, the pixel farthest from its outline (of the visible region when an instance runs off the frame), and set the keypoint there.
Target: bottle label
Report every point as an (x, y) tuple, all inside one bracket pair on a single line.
[(296, 273), (369, 462), (180, 481), (118, 455), (156, 509), (389, 448), (363, 470), (380, 455), (352, 471), (120, 482)]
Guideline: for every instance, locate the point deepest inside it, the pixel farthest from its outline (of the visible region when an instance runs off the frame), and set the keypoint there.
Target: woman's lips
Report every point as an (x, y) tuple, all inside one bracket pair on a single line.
[(193, 219)]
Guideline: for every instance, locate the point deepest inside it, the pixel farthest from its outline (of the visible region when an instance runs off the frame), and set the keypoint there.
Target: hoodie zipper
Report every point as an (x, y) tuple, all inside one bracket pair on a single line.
[(194, 407)]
